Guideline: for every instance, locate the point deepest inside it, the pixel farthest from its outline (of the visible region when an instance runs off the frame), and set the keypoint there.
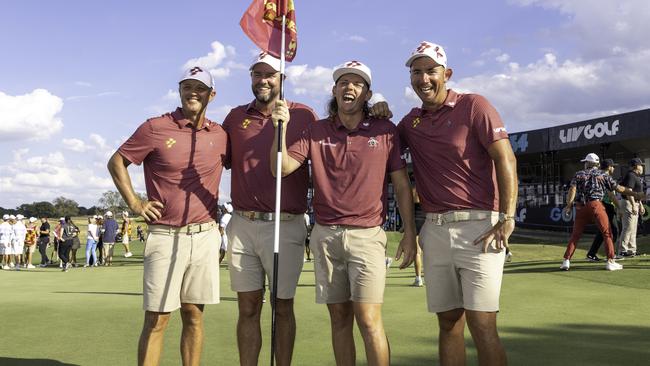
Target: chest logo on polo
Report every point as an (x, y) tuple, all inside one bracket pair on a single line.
[(245, 123), (415, 122), (170, 142), (373, 143)]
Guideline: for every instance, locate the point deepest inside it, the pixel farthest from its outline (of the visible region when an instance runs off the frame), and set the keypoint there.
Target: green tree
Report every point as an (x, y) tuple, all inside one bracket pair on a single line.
[(112, 201), (65, 206)]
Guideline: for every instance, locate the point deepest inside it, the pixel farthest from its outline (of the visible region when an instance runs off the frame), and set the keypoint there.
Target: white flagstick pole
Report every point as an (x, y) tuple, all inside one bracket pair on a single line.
[(278, 196)]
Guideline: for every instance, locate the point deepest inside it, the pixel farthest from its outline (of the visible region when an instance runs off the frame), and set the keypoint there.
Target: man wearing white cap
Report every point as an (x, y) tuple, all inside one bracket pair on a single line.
[(183, 154), (250, 231), (6, 238), (20, 232), (466, 178), (588, 187), (352, 157)]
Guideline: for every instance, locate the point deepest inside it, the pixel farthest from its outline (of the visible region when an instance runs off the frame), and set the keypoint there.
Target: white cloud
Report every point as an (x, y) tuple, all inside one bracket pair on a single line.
[(75, 145), (357, 38), (315, 82), (218, 61), (83, 83), (218, 114), (31, 116), (172, 95), (411, 97)]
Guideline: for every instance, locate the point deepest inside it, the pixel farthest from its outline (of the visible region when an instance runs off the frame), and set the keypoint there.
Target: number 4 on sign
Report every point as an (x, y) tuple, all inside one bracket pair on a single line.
[(519, 142)]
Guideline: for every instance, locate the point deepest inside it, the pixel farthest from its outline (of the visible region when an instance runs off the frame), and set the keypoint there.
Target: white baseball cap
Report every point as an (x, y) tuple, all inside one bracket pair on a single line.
[(5, 217), (19, 217), (353, 67), (12, 217), (592, 158), (431, 50), (125, 214), (32, 219), (61, 218), (200, 74), (265, 58), (108, 213)]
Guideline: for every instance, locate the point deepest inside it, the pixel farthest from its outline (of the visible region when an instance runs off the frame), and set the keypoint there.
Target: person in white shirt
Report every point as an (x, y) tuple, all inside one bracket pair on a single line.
[(6, 237), (20, 231), (225, 219), (92, 237)]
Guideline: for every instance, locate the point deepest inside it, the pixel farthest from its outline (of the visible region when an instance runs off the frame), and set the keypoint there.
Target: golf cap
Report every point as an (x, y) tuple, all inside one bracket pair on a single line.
[(200, 74), (265, 58), (591, 158), (228, 207), (125, 214), (61, 218), (19, 217), (32, 219), (636, 161), (12, 217), (5, 217), (606, 163), (108, 213), (431, 50), (353, 67)]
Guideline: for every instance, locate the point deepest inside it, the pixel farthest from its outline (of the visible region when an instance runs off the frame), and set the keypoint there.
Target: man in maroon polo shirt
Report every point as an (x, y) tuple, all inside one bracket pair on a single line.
[(183, 154), (352, 157), (250, 230), (466, 178)]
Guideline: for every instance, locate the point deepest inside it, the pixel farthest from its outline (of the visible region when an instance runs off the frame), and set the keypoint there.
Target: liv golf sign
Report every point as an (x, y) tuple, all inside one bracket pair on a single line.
[(588, 132)]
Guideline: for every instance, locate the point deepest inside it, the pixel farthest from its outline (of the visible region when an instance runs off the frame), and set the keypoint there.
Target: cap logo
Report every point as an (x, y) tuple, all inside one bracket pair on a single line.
[(423, 46), (353, 64), (195, 70), (415, 122), (170, 142)]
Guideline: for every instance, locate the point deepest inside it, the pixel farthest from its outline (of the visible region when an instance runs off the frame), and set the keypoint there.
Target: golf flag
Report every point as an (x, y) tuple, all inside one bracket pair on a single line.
[(262, 23)]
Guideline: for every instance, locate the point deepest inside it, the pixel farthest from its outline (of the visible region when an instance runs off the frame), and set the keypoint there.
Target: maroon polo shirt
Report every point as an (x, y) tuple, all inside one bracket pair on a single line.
[(350, 169), (449, 148), (251, 135), (182, 166)]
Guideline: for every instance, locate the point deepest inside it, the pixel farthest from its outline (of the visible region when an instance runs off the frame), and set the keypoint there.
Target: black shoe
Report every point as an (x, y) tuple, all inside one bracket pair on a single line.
[(627, 254), (593, 258)]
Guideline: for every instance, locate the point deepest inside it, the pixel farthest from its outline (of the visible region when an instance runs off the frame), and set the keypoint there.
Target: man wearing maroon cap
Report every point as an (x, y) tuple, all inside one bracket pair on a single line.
[(183, 154), (352, 157), (465, 175)]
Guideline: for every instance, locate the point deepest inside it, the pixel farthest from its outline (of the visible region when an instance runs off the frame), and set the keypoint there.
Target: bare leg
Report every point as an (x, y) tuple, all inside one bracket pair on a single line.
[(151, 339), (452, 339), (249, 334), (483, 327), (192, 335), (285, 333), (342, 320), (370, 324)]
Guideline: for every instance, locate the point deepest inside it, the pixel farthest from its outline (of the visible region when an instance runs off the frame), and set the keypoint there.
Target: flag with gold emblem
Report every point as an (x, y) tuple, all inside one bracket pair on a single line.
[(262, 23)]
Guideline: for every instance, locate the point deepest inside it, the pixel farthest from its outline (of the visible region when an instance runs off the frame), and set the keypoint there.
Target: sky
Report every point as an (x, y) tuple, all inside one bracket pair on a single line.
[(78, 77)]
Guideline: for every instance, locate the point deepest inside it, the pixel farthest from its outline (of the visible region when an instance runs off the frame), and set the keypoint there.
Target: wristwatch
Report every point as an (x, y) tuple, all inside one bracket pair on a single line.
[(504, 217)]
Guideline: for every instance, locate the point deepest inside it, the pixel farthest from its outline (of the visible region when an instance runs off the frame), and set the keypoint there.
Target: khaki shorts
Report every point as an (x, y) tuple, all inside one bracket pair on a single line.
[(250, 254), (457, 273), (30, 248), (349, 263), (125, 239), (180, 268)]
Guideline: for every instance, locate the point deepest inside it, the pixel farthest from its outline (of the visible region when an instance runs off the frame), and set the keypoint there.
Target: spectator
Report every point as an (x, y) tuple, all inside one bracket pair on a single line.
[(68, 232), (44, 241), (92, 237), (30, 242), (20, 232), (6, 237), (632, 208), (140, 234), (110, 229), (100, 241), (611, 206), (126, 234), (57, 242)]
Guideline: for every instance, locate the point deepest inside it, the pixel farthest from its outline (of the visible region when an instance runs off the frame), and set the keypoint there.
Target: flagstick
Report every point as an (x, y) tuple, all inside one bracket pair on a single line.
[(278, 195)]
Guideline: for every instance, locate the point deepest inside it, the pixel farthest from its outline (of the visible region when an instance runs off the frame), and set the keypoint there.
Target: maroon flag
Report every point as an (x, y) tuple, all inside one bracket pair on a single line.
[(262, 23)]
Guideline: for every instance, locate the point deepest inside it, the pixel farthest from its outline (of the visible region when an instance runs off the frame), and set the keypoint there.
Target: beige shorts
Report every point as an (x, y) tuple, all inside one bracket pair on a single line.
[(30, 248), (180, 268), (349, 263), (250, 254), (125, 239), (457, 273)]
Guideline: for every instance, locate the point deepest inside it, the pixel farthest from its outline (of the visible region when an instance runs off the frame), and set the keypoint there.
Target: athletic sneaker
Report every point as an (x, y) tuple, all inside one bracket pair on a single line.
[(60, 264), (613, 266), (42, 265), (593, 258), (128, 254), (389, 261), (11, 265), (566, 264), (6, 267), (417, 282), (30, 266)]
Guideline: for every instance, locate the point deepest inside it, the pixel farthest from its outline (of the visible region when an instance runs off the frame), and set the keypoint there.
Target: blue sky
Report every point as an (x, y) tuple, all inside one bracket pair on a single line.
[(77, 77)]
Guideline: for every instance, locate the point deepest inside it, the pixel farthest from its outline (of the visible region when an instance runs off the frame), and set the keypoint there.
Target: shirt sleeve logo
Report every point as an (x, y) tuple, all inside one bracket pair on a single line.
[(373, 143), (170, 142), (245, 123), (415, 122)]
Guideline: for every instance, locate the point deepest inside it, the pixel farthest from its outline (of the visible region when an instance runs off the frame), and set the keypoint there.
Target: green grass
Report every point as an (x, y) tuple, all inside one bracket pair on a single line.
[(586, 316)]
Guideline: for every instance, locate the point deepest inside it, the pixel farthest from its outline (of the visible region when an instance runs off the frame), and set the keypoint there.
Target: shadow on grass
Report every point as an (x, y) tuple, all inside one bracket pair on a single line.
[(99, 293), (578, 344), (33, 362)]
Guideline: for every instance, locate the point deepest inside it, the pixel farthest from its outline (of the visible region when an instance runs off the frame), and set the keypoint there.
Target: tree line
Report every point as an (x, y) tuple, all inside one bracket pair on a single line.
[(62, 206)]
